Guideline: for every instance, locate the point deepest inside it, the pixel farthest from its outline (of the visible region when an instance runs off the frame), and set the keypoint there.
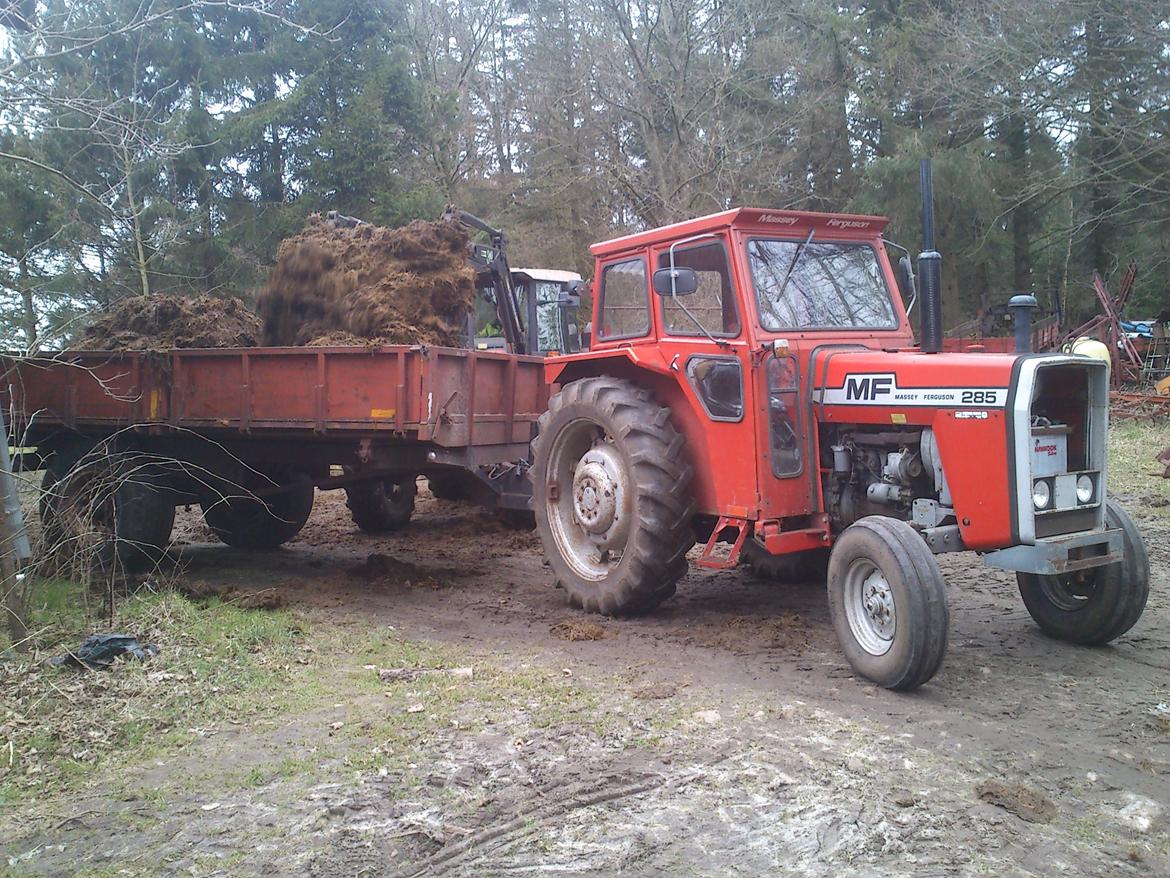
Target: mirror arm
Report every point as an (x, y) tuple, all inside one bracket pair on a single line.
[(721, 342), (907, 272)]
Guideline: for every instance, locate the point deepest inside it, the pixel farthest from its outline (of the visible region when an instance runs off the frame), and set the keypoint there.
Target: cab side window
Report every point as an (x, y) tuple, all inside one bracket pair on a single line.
[(625, 300), (713, 303)]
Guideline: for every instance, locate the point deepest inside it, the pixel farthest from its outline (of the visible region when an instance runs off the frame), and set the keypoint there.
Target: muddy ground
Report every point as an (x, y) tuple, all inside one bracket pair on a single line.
[(722, 735)]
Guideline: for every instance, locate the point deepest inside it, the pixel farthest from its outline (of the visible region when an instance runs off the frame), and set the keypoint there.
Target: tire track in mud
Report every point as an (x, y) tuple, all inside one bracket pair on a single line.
[(528, 821)]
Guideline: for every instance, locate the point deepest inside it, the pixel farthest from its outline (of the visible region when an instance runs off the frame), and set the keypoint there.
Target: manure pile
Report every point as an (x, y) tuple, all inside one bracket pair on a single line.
[(162, 322), (330, 286), (411, 285)]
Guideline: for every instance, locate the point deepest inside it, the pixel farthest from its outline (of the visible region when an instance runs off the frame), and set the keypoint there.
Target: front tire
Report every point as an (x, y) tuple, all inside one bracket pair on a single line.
[(611, 492), (888, 603), (1097, 605)]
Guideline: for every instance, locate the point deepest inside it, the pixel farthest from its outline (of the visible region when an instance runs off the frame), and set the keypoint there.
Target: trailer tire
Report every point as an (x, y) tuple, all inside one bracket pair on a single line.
[(888, 602), (245, 522), (450, 486), (382, 505), (105, 509), (1098, 605), (610, 476), (796, 567)]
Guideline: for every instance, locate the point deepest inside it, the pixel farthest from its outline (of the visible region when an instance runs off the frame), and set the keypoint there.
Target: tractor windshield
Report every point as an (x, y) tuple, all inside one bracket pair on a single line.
[(809, 284)]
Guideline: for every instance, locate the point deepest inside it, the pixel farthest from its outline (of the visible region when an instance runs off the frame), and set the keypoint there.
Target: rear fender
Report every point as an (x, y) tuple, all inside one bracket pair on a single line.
[(719, 486), (562, 370)]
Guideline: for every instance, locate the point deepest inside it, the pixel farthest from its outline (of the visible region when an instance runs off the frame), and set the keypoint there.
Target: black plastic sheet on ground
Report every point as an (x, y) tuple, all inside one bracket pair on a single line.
[(99, 651)]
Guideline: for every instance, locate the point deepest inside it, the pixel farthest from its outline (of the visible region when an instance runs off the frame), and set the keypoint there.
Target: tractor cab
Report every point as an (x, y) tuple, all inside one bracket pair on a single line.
[(726, 312), (547, 300)]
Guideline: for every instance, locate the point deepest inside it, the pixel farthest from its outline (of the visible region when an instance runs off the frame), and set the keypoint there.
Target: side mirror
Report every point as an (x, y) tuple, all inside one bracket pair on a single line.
[(570, 296), (675, 281), (906, 282)]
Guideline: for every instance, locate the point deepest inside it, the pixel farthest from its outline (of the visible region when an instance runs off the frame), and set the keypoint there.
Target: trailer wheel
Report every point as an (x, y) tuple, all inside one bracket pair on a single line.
[(248, 522), (888, 602), (611, 492), (105, 509), (450, 487), (807, 566), (1097, 605), (382, 505)]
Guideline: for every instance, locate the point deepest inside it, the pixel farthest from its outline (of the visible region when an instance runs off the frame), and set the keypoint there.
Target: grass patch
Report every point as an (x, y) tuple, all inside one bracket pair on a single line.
[(217, 663), (1133, 472)]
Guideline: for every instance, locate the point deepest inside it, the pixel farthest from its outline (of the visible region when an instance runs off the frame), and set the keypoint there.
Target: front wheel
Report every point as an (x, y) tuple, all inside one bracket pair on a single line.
[(1096, 605), (611, 492), (888, 603)]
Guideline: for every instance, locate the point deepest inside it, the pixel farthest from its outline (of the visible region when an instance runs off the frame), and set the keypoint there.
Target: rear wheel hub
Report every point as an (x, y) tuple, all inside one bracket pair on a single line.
[(599, 490)]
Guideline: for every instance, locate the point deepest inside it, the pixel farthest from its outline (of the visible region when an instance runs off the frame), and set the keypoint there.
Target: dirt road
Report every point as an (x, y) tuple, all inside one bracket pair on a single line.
[(722, 735)]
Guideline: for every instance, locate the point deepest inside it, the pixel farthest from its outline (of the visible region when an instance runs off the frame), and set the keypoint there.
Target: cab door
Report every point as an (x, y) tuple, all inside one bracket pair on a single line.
[(703, 338), (784, 471)]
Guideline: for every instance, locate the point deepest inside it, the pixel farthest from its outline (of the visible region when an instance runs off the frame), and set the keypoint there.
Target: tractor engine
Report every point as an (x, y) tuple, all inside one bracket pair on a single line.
[(896, 473)]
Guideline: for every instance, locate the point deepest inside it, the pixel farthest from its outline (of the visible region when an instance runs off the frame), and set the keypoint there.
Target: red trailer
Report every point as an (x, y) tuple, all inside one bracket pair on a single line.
[(249, 433)]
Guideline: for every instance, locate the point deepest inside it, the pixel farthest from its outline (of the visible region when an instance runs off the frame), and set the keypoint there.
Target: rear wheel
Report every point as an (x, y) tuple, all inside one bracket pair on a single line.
[(246, 521), (382, 505), (611, 492), (101, 509), (888, 603), (807, 566), (1097, 605)]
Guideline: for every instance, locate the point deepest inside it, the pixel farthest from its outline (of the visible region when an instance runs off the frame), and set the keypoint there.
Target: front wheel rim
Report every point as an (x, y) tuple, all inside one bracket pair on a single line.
[(869, 607), (1070, 592), (588, 499)]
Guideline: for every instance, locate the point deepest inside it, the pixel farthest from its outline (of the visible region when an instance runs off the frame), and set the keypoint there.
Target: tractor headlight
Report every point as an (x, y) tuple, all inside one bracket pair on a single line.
[(1041, 494), (1084, 489)]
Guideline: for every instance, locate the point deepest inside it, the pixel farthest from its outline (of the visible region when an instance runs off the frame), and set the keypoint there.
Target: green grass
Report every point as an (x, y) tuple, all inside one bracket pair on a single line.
[(1134, 473), (218, 663)]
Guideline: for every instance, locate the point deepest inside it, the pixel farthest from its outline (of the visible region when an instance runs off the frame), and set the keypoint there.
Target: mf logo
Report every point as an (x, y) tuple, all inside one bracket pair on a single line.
[(868, 387)]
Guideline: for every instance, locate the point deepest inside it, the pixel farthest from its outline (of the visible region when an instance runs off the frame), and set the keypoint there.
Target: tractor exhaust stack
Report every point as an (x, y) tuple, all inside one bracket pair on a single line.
[(929, 268)]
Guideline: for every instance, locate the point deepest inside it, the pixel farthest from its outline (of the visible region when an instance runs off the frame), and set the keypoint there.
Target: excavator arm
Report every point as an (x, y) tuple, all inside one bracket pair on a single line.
[(493, 263)]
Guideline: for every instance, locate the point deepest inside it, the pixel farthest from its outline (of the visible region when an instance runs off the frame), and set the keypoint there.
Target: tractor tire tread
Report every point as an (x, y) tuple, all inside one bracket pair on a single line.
[(661, 476)]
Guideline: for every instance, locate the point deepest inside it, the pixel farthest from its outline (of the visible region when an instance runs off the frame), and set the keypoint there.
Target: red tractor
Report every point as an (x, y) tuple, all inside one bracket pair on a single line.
[(753, 379)]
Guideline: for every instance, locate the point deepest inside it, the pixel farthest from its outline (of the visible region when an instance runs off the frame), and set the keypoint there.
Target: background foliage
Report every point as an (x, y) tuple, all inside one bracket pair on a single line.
[(170, 145)]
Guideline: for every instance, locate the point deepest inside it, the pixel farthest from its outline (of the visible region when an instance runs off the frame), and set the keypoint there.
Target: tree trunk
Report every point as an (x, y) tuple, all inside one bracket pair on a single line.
[(1016, 135), (28, 316), (139, 246)]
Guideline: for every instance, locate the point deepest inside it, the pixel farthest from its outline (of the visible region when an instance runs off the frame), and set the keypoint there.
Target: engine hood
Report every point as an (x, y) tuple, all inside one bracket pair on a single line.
[(910, 379)]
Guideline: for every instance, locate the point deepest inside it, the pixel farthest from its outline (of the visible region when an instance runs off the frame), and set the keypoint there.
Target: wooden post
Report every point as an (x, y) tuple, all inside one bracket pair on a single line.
[(15, 550)]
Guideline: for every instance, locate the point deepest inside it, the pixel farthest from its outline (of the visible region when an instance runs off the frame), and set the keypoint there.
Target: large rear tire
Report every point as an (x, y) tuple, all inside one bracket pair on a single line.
[(382, 505), (611, 493), (249, 522), (1097, 605), (888, 603), (105, 509)]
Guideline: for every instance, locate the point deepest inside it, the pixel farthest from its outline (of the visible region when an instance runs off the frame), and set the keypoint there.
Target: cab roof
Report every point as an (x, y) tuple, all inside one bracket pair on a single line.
[(795, 222), (552, 275)]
